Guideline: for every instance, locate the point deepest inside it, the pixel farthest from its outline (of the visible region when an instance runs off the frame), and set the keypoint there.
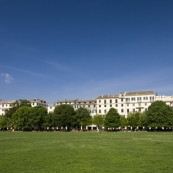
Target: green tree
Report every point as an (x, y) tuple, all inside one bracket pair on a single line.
[(143, 119), (82, 117), (123, 121), (38, 115), (133, 119), (159, 115), (65, 116), (22, 118), (112, 119), (4, 122), (16, 105), (98, 120), (49, 120)]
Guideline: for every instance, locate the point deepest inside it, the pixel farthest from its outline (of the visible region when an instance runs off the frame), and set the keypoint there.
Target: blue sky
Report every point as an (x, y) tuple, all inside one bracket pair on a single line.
[(68, 49)]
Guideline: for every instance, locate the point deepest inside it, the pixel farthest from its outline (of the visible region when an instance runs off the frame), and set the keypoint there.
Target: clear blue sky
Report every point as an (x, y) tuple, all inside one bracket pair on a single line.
[(68, 49)]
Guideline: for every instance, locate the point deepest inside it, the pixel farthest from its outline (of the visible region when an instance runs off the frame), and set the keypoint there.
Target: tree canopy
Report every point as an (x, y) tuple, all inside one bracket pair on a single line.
[(82, 117), (98, 120), (112, 119), (159, 115), (64, 115)]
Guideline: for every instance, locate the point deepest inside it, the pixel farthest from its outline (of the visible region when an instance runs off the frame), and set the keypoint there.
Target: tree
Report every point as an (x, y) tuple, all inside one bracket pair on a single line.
[(22, 118), (112, 119), (49, 120), (82, 117), (64, 115), (143, 119), (38, 115), (16, 105), (133, 119), (4, 122), (98, 120), (159, 115), (123, 121)]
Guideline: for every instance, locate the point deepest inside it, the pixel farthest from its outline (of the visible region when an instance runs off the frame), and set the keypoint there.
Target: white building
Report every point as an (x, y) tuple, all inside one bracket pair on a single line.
[(167, 99), (38, 102), (5, 105), (88, 104), (125, 102), (50, 108)]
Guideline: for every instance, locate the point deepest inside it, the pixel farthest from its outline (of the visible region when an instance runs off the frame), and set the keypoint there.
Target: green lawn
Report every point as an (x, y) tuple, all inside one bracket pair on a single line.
[(78, 152)]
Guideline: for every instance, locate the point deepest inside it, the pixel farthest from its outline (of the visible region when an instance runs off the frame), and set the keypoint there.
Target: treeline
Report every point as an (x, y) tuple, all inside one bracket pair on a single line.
[(24, 117)]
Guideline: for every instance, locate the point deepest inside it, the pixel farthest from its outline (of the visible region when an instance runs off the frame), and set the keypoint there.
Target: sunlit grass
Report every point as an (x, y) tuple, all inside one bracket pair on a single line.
[(86, 151)]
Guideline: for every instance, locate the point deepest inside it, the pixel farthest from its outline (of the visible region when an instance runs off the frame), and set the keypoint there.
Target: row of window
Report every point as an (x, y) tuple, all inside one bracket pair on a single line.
[(6, 105), (122, 111), (133, 104), (83, 106)]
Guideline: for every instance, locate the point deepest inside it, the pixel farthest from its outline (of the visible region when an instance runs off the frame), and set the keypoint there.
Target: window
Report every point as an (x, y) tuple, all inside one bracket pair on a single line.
[(127, 110), (104, 101), (110, 105), (104, 105), (121, 105), (139, 104), (133, 110), (133, 99), (133, 104), (122, 100), (116, 105), (145, 109), (127, 99), (145, 98), (99, 111), (122, 110), (105, 111), (110, 101), (89, 106), (99, 105), (99, 101), (94, 106), (138, 98), (127, 104), (116, 101), (151, 98), (145, 104)]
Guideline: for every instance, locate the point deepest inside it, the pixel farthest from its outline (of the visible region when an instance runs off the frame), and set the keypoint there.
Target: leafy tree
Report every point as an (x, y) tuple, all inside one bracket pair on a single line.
[(82, 117), (38, 114), (16, 105), (159, 115), (112, 119), (49, 120), (133, 119), (4, 122), (143, 119), (123, 121), (64, 116), (22, 118), (98, 120)]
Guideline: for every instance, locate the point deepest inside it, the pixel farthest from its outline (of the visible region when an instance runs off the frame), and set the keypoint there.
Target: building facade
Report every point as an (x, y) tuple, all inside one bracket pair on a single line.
[(88, 104), (125, 102), (5, 105)]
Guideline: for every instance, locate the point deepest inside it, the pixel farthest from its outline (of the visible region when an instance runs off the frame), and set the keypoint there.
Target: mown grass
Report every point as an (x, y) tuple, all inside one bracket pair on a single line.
[(35, 152)]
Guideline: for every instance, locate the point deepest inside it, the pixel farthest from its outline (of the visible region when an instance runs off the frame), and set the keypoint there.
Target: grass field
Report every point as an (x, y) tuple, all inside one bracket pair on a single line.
[(70, 152)]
